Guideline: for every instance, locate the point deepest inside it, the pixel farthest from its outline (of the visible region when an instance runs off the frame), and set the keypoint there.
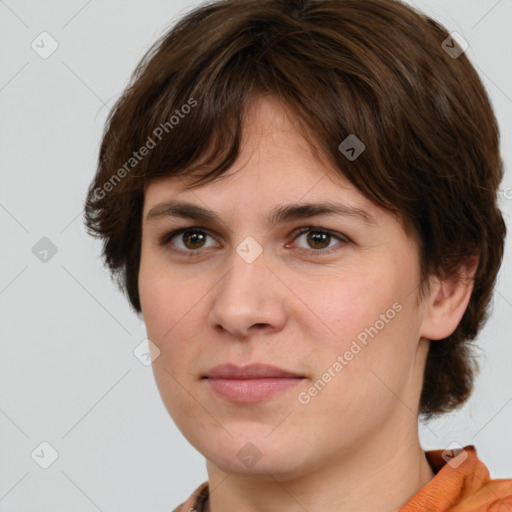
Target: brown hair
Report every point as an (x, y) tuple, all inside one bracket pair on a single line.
[(374, 68)]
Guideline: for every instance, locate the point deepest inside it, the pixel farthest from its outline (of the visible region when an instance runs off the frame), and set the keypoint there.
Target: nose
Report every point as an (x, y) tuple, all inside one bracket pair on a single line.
[(249, 299)]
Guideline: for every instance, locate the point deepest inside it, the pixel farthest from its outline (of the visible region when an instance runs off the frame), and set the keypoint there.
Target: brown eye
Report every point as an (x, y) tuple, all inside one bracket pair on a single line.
[(319, 239), (193, 239), (187, 240)]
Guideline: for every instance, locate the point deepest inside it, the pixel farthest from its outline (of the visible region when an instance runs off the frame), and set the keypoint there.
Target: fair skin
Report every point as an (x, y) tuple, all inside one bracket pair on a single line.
[(354, 446)]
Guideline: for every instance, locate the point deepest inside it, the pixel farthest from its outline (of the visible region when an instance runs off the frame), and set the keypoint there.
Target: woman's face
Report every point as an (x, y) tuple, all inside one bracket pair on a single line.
[(335, 305)]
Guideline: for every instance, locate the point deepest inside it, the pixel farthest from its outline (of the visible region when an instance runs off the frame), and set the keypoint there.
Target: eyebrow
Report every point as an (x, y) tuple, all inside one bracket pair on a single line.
[(279, 214)]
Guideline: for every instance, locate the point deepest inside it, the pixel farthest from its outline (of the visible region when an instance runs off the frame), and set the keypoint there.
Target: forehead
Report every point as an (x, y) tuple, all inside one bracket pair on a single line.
[(277, 177), (273, 149)]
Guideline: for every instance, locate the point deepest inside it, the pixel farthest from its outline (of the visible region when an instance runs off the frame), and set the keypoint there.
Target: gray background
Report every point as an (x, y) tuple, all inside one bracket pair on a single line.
[(68, 374)]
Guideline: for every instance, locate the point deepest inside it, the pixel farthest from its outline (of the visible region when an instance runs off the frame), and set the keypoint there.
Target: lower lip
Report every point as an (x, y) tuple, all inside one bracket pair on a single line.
[(251, 390)]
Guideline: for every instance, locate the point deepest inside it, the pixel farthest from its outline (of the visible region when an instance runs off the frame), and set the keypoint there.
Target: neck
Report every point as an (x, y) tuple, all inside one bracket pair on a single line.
[(382, 476)]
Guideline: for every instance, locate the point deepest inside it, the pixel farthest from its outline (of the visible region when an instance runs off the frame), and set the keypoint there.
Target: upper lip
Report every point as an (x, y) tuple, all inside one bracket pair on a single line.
[(252, 371)]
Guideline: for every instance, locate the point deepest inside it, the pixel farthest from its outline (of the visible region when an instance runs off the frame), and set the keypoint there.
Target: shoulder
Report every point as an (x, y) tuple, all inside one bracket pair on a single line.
[(196, 501), (461, 483)]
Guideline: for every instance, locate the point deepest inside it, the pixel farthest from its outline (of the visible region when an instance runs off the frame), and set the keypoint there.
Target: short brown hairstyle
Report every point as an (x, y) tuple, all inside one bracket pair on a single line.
[(374, 68)]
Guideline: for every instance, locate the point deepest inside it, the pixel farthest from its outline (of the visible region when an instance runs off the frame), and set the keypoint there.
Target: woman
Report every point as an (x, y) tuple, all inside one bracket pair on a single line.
[(299, 198)]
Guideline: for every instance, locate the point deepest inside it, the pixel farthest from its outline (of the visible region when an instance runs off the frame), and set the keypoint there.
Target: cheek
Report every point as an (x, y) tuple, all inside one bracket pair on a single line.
[(343, 305), (168, 315), (161, 294), (375, 367), (371, 325), (170, 305)]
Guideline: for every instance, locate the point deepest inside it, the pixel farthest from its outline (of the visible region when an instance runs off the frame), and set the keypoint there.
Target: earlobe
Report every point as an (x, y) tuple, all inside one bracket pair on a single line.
[(447, 302)]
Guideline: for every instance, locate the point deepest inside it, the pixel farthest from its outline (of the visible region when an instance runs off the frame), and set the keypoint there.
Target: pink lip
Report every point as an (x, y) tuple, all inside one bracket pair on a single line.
[(252, 371), (250, 383)]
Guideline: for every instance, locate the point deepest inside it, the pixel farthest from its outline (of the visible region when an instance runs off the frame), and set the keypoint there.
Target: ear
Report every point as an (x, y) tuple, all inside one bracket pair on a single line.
[(447, 302)]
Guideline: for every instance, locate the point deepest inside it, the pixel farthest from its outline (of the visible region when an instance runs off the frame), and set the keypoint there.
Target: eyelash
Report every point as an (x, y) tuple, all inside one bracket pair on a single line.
[(166, 239)]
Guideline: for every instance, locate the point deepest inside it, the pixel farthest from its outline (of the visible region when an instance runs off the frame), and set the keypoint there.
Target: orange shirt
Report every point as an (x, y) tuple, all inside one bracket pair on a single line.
[(462, 485)]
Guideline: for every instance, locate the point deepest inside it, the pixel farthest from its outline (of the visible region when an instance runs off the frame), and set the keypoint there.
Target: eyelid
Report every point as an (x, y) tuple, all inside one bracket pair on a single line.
[(335, 234), (296, 233)]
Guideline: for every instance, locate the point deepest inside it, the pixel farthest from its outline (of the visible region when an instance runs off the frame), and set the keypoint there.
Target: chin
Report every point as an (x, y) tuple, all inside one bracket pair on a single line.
[(264, 469), (261, 457)]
